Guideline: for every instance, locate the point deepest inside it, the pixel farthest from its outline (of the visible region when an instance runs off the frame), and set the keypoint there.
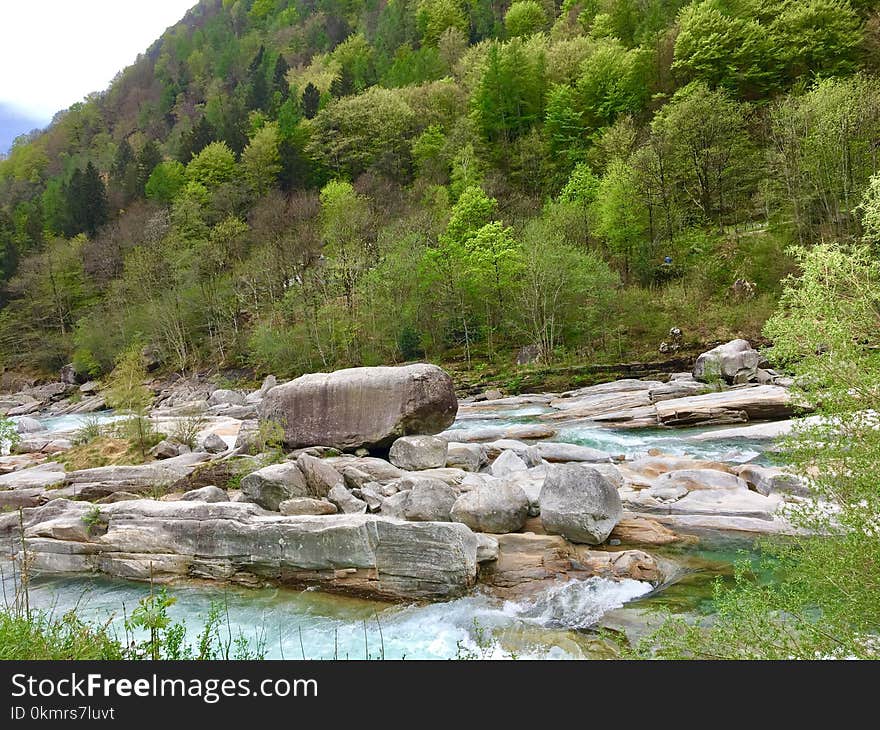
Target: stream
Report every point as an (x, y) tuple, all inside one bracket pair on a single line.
[(558, 623)]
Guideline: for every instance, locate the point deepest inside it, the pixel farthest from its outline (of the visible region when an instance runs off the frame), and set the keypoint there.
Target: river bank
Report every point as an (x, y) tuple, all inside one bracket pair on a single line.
[(464, 515)]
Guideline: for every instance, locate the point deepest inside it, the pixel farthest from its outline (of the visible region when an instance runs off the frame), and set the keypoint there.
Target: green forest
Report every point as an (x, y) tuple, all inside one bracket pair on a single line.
[(297, 185)]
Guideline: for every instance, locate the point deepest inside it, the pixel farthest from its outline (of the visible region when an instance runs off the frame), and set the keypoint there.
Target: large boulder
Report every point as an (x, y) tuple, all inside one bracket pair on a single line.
[(415, 453), (362, 407), (735, 362), (274, 484), (498, 508), (579, 503)]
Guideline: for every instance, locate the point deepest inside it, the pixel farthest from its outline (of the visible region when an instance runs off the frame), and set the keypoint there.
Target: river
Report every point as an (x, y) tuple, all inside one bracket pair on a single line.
[(557, 623)]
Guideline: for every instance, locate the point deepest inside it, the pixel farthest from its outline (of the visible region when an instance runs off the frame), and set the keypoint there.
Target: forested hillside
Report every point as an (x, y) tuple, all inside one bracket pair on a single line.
[(297, 185)]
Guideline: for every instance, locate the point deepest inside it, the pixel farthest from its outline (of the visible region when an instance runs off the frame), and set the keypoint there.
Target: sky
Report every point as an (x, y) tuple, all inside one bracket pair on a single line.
[(55, 52)]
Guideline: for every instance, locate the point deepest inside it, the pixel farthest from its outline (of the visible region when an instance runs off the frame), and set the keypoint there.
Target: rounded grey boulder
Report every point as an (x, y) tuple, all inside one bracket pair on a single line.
[(579, 503), (415, 453), (498, 507), (362, 407), (214, 444), (29, 425), (735, 362)]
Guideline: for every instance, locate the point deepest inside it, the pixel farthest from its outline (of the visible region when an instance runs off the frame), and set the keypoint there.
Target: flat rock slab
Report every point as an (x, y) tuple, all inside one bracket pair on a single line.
[(104, 480), (44, 475), (754, 403), (357, 554)]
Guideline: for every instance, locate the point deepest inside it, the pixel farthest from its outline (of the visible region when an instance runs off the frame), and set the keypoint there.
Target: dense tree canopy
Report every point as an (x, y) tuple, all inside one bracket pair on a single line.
[(286, 186)]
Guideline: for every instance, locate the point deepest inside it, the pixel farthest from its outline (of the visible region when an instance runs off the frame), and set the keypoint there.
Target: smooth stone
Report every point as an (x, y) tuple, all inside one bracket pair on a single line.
[(578, 503), (214, 444), (556, 452), (362, 407), (507, 463), (273, 484), (345, 501), (470, 457), (414, 453), (205, 494), (498, 508)]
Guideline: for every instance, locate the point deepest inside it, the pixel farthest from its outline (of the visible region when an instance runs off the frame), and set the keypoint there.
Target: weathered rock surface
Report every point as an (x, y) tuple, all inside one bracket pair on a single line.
[(214, 444), (570, 452), (345, 501), (470, 457), (735, 361), (307, 506), (507, 463), (414, 453), (362, 407), (357, 554), (225, 397), (43, 475), (768, 480), (737, 405), (320, 476), (421, 499), (527, 563), (42, 443), (497, 508), (29, 425), (578, 503), (206, 494), (270, 486), (103, 480), (643, 531)]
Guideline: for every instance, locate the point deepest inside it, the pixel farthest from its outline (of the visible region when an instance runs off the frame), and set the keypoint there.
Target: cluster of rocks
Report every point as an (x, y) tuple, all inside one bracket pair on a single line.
[(378, 496)]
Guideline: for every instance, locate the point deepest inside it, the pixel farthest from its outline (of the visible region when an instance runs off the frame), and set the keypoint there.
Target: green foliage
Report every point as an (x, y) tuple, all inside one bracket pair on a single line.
[(524, 18), (90, 429), (261, 161), (165, 182), (714, 132), (45, 636), (127, 393), (826, 329), (433, 17), (9, 436), (612, 82), (214, 165)]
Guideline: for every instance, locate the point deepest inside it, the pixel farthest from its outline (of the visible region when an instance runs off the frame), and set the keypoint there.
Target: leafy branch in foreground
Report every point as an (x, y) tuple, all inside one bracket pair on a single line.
[(825, 603)]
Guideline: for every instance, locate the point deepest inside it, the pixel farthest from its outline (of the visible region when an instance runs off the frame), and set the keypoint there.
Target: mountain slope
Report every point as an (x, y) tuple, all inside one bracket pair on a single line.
[(292, 186)]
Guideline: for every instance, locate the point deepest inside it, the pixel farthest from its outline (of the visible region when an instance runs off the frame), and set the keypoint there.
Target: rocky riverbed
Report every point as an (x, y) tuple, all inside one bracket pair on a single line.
[(390, 488)]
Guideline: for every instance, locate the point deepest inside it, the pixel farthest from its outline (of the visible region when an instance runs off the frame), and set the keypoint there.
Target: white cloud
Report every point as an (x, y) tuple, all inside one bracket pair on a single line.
[(55, 52)]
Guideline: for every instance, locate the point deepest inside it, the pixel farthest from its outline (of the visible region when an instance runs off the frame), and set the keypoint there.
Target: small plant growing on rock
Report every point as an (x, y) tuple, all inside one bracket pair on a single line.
[(269, 436), (188, 427), (93, 519), (90, 430)]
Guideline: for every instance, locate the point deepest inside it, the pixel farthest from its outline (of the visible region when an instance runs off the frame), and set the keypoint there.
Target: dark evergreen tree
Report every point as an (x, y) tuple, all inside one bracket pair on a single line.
[(194, 141), (310, 100), (258, 88), (123, 174), (279, 77), (87, 201), (147, 159)]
